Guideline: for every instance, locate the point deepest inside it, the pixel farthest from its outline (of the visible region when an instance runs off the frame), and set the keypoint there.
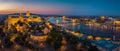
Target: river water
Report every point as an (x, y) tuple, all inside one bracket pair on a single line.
[(102, 30)]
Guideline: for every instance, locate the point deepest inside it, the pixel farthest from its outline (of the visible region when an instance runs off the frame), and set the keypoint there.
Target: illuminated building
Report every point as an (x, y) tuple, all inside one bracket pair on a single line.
[(28, 17), (63, 17), (98, 38), (102, 17), (73, 20), (116, 23), (90, 37), (57, 21)]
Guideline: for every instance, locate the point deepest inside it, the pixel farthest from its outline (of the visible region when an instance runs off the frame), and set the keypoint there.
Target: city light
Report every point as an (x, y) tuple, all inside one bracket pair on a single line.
[(59, 25)]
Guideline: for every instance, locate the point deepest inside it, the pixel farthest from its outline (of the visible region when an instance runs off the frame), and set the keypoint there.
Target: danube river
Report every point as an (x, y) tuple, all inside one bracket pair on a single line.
[(101, 30)]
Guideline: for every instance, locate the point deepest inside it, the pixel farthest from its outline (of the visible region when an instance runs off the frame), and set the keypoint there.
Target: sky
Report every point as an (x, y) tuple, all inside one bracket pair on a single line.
[(62, 7)]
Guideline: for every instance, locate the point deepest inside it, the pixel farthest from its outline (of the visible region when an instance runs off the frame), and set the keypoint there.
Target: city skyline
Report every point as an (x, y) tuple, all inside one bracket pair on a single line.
[(62, 7)]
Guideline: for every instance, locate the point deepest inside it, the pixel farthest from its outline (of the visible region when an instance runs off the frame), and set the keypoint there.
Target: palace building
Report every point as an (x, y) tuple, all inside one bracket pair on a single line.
[(23, 17), (116, 22)]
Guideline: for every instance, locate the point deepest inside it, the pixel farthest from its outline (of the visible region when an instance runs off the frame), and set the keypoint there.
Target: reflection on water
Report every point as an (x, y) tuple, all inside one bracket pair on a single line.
[(102, 30)]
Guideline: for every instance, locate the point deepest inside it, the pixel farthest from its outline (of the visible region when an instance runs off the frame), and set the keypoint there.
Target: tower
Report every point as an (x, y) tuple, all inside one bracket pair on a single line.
[(27, 13)]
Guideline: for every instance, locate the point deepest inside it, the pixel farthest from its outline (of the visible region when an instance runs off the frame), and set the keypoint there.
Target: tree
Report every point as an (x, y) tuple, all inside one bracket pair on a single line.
[(57, 44), (71, 39), (54, 39), (7, 42), (93, 48), (13, 29), (48, 41), (87, 43), (2, 34)]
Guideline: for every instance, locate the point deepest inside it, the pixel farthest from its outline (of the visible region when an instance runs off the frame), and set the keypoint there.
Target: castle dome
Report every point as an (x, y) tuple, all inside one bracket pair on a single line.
[(27, 13)]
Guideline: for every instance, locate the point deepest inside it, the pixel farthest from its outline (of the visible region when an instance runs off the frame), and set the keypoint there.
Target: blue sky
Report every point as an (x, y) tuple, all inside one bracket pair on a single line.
[(63, 7)]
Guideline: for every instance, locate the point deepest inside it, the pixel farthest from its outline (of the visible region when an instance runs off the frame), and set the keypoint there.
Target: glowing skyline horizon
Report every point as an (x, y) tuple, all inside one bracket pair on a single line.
[(61, 7)]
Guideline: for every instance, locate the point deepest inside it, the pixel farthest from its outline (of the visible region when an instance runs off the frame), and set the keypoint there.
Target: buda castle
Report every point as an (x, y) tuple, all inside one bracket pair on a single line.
[(26, 17)]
